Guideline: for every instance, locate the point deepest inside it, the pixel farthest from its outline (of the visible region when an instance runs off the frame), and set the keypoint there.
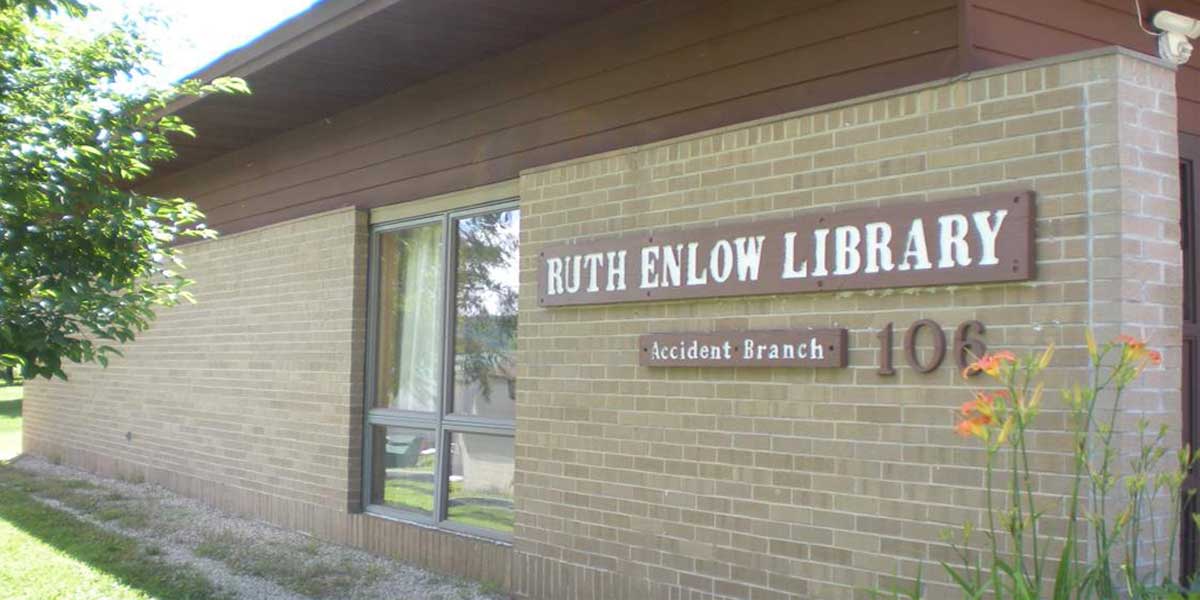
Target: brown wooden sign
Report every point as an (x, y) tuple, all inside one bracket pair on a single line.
[(776, 348), (968, 240)]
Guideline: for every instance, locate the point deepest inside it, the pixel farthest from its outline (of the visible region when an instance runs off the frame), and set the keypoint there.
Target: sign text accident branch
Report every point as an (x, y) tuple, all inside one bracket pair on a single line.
[(813, 348), (968, 240)]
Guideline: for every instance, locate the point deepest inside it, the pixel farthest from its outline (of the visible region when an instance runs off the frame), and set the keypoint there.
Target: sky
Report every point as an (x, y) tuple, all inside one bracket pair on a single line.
[(199, 31)]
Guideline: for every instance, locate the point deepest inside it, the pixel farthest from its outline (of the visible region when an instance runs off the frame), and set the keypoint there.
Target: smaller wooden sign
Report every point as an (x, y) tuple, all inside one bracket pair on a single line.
[(816, 348)]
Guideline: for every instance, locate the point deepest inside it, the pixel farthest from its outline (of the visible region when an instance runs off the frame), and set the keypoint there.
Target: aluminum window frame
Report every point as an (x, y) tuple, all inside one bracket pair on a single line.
[(442, 422)]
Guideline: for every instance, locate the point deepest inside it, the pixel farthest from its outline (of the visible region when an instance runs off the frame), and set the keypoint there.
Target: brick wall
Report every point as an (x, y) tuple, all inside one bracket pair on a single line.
[(1137, 270), (777, 484), (251, 398), (640, 483)]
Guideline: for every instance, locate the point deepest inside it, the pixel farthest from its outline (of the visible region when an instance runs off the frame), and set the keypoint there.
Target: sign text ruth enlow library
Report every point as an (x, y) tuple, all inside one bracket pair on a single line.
[(967, 240)]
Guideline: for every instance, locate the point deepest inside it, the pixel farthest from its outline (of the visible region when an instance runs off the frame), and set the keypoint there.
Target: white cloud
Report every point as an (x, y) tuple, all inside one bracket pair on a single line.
[(197, 32)]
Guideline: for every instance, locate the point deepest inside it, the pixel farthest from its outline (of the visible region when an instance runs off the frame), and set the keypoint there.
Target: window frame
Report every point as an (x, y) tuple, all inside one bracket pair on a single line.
[(442, 422)]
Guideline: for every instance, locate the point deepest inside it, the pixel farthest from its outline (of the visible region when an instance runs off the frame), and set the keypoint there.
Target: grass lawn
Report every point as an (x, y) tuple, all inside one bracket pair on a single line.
[(48, 553), (10, 421), (483, 510), (64, 538)]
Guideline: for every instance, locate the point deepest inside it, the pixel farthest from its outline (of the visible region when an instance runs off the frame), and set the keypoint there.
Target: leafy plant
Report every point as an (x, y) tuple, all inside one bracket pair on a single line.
[(1110, 511), (84, 257)]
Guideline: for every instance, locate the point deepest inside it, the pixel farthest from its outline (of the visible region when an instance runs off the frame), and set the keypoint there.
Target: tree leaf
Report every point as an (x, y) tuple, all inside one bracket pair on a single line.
[(82, 253)]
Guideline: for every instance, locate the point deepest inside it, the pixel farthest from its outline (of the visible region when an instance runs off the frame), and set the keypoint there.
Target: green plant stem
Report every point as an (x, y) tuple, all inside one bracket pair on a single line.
[(991, 513), (1102, 575), (1104, 539), (1177, 503), (1084, 452), (1033, 516), (1134, 532), (1017, 525)]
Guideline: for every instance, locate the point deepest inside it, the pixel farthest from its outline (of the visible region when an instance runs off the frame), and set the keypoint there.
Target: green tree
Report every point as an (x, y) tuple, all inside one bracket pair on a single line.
[(84, 257), (486, 334)]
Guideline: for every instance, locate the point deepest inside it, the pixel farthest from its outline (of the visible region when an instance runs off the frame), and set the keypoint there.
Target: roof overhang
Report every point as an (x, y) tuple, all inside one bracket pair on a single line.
[(344, 53)]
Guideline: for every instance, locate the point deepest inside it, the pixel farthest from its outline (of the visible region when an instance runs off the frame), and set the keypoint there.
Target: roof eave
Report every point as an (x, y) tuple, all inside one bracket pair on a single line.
[(322, 19)]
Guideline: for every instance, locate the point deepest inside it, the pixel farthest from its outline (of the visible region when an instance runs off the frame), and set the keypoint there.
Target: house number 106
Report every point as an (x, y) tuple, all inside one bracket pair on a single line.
[(968, 345)]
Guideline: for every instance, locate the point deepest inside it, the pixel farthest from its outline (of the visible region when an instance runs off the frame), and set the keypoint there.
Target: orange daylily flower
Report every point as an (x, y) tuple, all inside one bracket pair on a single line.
[(1135, 350), (1130, 342), (963, 428), (990, 363), (982, 404), (978, 414), (974, 427)]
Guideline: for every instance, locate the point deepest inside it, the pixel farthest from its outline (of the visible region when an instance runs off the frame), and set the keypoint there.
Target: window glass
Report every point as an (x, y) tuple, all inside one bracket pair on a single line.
[(408, 369), (444, 342), (485, 332), (481, 481), (403, 464)]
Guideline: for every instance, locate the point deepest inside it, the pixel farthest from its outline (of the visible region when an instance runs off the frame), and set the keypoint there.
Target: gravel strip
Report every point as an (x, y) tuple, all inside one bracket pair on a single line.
[(250, 559)]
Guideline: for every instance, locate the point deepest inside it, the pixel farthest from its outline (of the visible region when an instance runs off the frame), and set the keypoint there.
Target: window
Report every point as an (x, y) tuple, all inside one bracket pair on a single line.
[(441, 370)]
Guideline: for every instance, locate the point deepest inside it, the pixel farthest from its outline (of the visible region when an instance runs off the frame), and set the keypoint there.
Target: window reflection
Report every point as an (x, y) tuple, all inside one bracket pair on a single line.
[(481, 481), (422, 400), (485, 340), (402, 464), (410, 318)]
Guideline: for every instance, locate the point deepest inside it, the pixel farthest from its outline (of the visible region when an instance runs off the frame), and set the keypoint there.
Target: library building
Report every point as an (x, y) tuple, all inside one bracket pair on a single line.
[(657, 299)]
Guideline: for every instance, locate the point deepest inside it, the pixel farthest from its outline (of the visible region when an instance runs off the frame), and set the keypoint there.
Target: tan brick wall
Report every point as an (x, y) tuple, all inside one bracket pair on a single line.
[(639, 483), (1137, 264), (777, 484), (251, 399)]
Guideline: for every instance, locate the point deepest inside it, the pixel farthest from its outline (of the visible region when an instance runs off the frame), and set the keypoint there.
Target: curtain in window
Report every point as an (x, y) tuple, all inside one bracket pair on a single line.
[(411, 318)]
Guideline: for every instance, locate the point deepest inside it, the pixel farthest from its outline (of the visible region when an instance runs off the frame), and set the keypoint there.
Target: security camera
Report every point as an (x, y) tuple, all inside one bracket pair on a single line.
[(1177, 30)]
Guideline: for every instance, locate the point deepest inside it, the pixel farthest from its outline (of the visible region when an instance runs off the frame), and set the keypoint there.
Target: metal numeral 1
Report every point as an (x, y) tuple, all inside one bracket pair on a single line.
[(885, 351)]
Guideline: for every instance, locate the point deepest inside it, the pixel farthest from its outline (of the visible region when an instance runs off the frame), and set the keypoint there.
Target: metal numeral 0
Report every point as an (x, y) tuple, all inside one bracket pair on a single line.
[(910, 345)]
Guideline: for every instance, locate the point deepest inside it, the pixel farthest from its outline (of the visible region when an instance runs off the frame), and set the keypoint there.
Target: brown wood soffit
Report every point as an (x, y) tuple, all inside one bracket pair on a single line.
[(331, 59), (555, 100), (973, 240)]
